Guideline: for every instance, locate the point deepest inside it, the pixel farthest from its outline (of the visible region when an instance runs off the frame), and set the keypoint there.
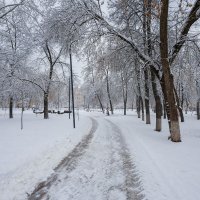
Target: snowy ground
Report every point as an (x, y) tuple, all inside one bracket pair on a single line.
[(29, 156), (111, 157), (169, 171)]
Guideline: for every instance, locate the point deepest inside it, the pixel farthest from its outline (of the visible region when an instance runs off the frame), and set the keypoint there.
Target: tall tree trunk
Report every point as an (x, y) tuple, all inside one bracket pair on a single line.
[(140, 100), (125, 102), (108, 92), (148, 121), (100, 103), (107, 110), (164, 110), (142, 105), (198, 109), (138, 105), (187, 106), (158, 113), (124, 92), (182, 96), (157, 102), (125, 98), (132, 105), (179, 106), (11, 107), (198, 100), (168, 82), (166, 104), (46, 104), (146, 73), (22, 112)]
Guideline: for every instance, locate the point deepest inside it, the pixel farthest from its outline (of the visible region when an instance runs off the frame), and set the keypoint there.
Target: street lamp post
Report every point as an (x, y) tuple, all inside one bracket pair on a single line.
[(72, 88)]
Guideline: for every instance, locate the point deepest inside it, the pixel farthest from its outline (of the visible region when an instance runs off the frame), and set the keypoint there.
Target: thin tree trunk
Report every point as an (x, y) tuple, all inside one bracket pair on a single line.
[(158, 113), (146, 73), (124, 92), (142, 105), (11, 108), (140, 100), (178, 106), (48, 53), (126, 97), (22, 112), (125, 107), (157, 102), (138, 105), (108, 92), (107, 110), (168, 83), (46, 114), (187, 105), (148, 121), (182, 96), (164, 110), (100, 103), (198, 109)]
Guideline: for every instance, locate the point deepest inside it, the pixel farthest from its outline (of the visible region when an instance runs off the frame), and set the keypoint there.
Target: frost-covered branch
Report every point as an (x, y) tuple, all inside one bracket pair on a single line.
[(193, 16)]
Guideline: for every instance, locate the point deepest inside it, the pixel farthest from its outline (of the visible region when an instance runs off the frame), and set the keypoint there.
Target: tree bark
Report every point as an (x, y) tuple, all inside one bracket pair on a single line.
[(148, 121), (140, 100), (168, 83), (198, 109), (108, 92), (11, 108), (147, 49), (179, 106), (124, 92), (46, 114), (164, 110), (125, 107), (182, 96), (187, 106), (142, 105), (158, 114), (138, 105), (100, 103), (157, 102)]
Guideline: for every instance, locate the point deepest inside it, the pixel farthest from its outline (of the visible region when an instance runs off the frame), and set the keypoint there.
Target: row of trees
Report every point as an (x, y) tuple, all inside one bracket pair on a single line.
[(143, 42), (32, 64), (142, 52)]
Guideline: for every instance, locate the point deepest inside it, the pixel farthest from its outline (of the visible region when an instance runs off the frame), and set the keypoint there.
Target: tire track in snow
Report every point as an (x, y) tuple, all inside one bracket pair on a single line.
[(132, 185), (67, 165)]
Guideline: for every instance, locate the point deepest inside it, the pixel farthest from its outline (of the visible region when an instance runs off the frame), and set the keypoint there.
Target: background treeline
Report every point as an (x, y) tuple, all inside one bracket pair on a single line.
[(139, 54)]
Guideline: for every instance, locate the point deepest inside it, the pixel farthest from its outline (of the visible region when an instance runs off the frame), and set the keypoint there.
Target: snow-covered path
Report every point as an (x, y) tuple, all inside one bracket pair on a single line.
[(99, 167), (105, 157)]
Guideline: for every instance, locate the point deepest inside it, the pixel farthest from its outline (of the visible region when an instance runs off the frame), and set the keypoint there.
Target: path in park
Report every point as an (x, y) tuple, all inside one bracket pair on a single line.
[(99, 167)]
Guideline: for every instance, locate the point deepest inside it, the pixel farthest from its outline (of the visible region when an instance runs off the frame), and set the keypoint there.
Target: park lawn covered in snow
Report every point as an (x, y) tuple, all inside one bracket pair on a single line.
[(168, 171), (29, 156)]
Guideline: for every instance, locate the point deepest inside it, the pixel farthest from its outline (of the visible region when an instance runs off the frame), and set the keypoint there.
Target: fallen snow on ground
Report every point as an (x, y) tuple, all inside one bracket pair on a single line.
[(168, 171), (29, 156), (99, 168)]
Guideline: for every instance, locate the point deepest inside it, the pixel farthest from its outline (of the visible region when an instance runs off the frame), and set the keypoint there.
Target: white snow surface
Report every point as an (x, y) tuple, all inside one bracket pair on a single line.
[(98, 175), (29, 156), (168, 171)]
